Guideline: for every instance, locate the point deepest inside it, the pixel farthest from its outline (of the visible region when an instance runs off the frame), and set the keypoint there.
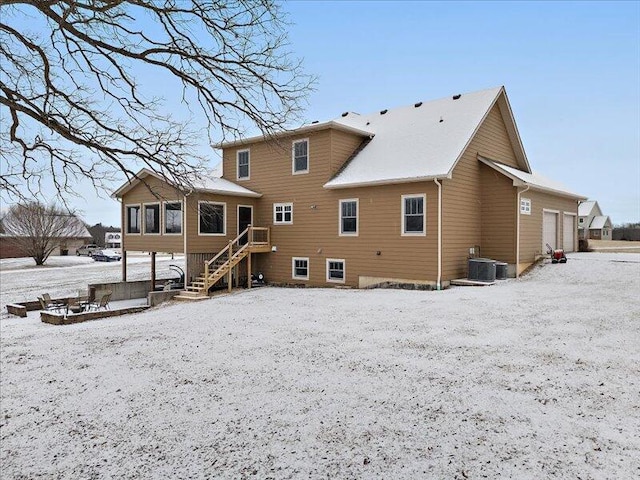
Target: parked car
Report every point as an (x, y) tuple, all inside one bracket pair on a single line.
[(106, 256), (87, 249)]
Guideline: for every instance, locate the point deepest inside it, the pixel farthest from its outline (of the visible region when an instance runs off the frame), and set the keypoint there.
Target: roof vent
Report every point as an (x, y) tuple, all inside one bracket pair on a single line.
[(417, 104), (382, 112), (315, 121), (441, 120), (456, 97), (368, 123), (345, 114)]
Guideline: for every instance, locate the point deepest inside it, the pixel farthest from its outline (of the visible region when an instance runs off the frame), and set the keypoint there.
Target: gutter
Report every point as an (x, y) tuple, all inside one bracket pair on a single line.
[(439, 281), (520, 192)]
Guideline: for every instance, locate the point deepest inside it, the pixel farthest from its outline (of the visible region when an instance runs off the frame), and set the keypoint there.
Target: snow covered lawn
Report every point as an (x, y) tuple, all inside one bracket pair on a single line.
[(531, 378)]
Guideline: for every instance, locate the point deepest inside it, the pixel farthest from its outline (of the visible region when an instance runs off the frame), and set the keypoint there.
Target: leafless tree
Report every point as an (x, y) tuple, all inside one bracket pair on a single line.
[(77, 83), (38, 229)]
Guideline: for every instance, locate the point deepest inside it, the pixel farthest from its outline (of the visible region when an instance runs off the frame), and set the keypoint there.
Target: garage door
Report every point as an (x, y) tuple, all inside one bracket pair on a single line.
[(568, 233), (549, 230)]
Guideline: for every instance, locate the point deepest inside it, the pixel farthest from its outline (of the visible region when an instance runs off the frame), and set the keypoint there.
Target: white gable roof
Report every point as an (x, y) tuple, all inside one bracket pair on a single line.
[(208, 183), (584, 210), (418, 142), (533, 180), (599, 222)]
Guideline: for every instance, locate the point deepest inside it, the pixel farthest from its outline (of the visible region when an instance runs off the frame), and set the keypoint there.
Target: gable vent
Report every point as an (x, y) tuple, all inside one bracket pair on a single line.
[(345, 114), (417, 104), (382, 112), (456, 97)]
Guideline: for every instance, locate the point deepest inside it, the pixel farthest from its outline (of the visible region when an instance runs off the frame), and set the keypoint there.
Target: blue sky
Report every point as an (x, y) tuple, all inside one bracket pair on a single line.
[(571, 70)]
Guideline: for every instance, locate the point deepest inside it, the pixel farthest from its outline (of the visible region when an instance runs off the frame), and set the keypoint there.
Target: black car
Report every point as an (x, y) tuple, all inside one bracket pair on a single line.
[(106, 256)]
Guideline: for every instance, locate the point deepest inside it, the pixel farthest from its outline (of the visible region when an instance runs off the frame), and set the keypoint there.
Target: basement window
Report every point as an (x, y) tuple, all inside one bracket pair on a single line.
[(525, 206), (335, 270), (300, 268)]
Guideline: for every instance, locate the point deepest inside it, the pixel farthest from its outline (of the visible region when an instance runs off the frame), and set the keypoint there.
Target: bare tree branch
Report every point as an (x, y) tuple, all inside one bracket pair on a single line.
[(77, 81)]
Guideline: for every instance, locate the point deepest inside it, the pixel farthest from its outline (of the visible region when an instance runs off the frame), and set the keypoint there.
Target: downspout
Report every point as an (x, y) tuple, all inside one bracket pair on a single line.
[(439, 281), (520, 192)]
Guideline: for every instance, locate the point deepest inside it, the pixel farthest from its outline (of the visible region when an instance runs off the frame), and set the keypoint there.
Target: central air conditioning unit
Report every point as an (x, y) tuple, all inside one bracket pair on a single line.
[(482, 270)]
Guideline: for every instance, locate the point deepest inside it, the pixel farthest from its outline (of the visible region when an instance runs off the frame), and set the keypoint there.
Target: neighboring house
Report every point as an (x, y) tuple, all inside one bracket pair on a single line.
[(405, 195), (113, 240), (592, 223), (65, 245)]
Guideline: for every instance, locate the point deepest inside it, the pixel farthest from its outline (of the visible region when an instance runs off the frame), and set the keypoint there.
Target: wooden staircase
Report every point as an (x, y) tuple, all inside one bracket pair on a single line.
[(256, 240)]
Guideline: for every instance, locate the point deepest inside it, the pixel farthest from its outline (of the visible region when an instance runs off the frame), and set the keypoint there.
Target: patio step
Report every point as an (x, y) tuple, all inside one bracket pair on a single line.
[(190, 296)]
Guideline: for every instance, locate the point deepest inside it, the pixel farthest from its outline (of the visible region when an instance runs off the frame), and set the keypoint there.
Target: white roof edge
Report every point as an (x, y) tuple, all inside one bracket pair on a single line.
[(516, 131), (521, 182), (296, 131), (374, 183), (473, 134), (145, 172)]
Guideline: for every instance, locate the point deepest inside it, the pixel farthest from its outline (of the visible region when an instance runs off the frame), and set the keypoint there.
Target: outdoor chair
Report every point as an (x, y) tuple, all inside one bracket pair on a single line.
[(102, 303), (48, 304)]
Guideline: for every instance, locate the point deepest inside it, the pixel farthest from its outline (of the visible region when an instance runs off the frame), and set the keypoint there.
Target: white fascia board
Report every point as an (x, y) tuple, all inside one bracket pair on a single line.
[(393, 181)]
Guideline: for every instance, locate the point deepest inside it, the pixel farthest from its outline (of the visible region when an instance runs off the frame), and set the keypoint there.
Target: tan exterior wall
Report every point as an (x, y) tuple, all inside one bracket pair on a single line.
[(155, 191), (531, 225), (462, 196), (498, 216), (314, 233)]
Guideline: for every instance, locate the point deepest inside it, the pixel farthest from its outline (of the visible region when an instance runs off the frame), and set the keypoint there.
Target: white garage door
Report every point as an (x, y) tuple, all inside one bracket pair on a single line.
[(568, 233), (549, 230)]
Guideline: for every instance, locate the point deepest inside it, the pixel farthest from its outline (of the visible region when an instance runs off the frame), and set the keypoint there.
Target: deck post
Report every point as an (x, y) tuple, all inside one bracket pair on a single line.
[(229, 286), (153, 271), (124, 265), (249, 270)]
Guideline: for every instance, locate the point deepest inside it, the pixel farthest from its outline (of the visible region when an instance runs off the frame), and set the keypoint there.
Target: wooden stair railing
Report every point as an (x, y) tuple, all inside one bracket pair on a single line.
[(258, 240)]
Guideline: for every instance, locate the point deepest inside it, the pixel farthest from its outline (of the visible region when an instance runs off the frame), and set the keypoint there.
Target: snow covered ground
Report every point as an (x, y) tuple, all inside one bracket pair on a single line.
[(532, 378)]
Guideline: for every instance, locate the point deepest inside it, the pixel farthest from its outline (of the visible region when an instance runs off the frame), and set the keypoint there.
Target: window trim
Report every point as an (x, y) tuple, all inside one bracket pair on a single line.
[(293, 157), (144, 219), (238, 152), (404, 233), (344, 270), (224, 219), (126, 218), (282, 204), (525, 201), (164, 217), (342, 233), (293, 268)]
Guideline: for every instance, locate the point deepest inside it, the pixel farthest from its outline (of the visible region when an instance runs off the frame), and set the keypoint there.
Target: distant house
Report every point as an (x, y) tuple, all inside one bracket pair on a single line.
[(403, 195), (113, 240), (592, 223), (65, 244)]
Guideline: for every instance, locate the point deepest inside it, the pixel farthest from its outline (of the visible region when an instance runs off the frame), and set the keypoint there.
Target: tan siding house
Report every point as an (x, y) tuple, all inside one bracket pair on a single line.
[(400, 196)]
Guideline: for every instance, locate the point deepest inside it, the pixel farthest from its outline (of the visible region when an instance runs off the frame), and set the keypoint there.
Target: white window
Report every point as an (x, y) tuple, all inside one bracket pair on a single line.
[(152, 219), (173, 218), (300, 268), (282, 213), (413, 214), (335, 270), (300, 156), (212, 218), (525, 206), (581, 220), (243, 164), (133, 219), (349, 217)]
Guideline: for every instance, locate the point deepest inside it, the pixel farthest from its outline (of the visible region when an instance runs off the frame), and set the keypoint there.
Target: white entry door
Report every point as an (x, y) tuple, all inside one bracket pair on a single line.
[(568, 233), (549, 230)]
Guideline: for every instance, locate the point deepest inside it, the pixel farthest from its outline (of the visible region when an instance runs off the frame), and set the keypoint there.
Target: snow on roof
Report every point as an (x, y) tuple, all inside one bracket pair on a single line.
[(215, 184), (416, 142), (533, 179), (584, 209), (599, 222)]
